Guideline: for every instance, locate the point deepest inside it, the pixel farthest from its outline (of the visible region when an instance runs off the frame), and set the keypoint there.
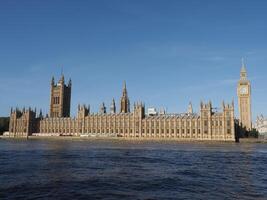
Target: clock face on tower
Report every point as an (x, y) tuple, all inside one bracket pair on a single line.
[(243, 90)]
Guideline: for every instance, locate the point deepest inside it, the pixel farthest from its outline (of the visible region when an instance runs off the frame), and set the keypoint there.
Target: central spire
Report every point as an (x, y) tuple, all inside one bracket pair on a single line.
[(124, 93), (125, 103)]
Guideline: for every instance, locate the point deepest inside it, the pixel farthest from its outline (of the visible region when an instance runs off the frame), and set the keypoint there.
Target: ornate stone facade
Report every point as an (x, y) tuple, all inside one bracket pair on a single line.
[(207, 125), (22, 122)]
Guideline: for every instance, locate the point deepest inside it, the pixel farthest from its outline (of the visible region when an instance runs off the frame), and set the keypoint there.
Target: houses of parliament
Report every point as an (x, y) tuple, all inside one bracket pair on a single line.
[(208, 124)]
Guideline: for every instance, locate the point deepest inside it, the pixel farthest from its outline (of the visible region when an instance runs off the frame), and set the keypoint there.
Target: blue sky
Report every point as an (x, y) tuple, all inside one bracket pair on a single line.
[(169, 52)]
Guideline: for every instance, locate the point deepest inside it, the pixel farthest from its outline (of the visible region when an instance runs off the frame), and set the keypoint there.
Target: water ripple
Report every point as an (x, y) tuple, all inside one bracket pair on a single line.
[(39, 169)]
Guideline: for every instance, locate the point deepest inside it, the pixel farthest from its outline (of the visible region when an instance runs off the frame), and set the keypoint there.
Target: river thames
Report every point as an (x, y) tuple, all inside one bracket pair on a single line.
[(116, 169)]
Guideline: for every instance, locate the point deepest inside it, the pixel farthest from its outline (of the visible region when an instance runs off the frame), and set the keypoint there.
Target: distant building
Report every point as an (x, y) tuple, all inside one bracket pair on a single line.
[(206, 125), (152, 112), (261, 126)]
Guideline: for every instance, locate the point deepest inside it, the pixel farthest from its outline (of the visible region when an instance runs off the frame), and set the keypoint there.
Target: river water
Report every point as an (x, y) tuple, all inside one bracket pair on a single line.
[(115, 169)]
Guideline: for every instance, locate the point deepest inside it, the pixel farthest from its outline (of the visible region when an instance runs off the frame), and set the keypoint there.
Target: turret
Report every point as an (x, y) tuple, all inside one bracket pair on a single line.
[(41, 114), (205, 115), (70, 83), (52, 81), (201, 104), (207, 106), (139, 110), (89, 109), (229, 121), (190, 108), (113, 107), (102, 109), (83, 111), (62, 79)]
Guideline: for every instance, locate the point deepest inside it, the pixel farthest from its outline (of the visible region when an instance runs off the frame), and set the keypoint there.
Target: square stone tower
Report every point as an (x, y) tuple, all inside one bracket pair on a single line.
[(60, 98)]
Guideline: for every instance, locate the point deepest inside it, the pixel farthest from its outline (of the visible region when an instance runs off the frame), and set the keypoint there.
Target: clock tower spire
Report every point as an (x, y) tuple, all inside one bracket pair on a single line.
[(243, 73), (244, 99)]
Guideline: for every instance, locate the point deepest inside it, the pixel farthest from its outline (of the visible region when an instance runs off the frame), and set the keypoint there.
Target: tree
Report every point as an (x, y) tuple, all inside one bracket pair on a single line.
[(4, 124)]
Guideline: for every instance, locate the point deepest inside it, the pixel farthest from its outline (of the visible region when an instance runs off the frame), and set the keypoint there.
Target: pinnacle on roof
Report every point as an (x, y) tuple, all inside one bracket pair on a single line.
[(243, 69)]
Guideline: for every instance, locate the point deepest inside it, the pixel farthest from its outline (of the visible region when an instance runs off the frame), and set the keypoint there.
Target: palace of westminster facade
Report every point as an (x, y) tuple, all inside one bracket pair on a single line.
[(206, 125)]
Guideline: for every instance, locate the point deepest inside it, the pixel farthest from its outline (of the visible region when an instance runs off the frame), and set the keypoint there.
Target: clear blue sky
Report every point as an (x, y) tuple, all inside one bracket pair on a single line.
[(169, 52)]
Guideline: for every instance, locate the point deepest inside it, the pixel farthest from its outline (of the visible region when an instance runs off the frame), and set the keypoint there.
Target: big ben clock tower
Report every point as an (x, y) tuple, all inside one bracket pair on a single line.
[(244, 99)]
